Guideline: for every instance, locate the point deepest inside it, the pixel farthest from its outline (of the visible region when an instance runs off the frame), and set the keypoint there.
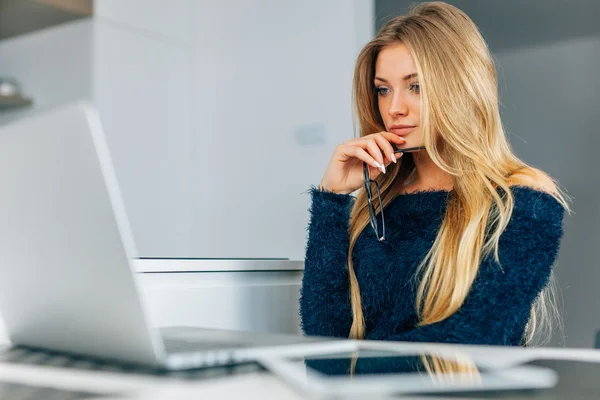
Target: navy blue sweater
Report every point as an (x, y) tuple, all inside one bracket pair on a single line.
[(497, 307)]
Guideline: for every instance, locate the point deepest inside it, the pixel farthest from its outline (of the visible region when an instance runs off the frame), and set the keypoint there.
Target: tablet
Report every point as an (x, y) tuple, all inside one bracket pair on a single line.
[(366, 371)]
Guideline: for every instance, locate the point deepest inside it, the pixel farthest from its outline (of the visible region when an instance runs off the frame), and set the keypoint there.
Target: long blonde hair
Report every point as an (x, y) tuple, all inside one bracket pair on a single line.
[(464, 136), (442, 368)]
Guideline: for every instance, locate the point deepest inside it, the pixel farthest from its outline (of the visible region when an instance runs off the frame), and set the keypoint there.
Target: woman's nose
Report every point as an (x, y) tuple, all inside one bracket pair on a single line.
[(398, 105)]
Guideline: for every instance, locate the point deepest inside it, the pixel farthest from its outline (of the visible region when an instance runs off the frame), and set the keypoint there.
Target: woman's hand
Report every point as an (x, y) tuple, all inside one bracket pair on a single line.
[(344, 174)]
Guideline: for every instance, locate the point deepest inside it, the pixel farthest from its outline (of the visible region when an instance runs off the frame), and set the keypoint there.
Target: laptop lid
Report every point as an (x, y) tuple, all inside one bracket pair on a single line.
[(66, 282)]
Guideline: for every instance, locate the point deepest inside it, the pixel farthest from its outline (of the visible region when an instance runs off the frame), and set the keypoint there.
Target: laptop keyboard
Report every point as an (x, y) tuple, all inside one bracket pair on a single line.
[(24, 356), (173, 345)]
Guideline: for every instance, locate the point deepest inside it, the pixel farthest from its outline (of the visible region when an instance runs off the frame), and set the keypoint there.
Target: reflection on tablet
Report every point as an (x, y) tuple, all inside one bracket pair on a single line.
[(440, 369), (361, 369)]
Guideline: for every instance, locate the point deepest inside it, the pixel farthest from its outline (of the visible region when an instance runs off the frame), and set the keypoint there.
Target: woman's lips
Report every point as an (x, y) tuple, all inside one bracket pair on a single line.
[(402, 131)]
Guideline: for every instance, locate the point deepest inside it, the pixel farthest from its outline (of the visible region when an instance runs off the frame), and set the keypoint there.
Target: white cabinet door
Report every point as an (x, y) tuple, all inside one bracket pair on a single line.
[(265, 301)]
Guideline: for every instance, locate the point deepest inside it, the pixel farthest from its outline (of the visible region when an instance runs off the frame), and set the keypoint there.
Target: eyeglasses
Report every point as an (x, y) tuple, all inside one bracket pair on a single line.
[(371, 186)]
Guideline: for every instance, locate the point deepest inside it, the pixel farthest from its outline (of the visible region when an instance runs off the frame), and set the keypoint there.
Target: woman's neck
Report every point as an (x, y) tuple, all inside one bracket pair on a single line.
[(427, 175)]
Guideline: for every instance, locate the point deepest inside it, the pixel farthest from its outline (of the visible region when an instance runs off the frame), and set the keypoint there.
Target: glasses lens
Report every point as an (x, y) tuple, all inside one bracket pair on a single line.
[(378, 226), (371, 188), (382, 237), (367, 180), (372, 218)]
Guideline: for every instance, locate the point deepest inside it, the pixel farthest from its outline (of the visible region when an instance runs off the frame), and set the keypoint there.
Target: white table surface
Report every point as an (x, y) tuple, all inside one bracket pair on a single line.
[(249, 385)]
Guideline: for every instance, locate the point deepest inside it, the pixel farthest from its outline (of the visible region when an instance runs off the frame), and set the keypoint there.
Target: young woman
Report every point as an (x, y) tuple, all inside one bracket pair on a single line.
[(464, 248)]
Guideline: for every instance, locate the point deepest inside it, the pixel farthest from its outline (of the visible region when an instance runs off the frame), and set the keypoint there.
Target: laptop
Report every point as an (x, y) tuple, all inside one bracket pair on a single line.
[(66, 253)]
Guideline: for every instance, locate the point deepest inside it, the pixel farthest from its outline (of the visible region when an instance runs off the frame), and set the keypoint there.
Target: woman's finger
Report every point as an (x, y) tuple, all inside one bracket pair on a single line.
[(362, 155)]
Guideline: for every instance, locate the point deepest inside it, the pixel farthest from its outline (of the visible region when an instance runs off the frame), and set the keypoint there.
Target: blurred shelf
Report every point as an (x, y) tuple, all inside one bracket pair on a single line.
[(7, 102), (18, 17)]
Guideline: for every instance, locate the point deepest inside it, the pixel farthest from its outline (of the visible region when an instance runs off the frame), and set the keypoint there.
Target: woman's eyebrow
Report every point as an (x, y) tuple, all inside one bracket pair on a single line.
[(407, 77)]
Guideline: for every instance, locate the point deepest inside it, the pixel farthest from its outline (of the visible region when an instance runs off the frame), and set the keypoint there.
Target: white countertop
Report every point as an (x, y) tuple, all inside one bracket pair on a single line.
[(160, 265)]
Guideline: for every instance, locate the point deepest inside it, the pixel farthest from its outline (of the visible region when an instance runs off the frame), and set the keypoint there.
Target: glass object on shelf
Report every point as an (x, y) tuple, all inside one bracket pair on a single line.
[(11, 94)]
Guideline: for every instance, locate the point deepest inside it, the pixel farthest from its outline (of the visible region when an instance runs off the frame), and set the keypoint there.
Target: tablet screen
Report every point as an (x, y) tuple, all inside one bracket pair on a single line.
[(378, 362), (351, 371)]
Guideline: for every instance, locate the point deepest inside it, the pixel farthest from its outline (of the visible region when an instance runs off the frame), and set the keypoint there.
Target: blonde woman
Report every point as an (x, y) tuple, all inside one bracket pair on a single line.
[(464, 248)]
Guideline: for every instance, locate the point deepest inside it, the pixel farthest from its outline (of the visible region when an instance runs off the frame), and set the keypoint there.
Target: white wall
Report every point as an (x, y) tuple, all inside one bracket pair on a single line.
[(550, 108), (170, 21), (204, 107), (264, 70), (142, 85), (219, 114)]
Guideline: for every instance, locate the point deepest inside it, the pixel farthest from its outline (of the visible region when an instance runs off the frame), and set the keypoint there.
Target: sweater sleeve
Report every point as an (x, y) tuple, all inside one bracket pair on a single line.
[(498, 305), (324, 302)]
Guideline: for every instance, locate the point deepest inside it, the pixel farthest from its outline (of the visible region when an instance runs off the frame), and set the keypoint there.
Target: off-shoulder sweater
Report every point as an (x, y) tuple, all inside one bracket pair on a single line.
[(497, 307)]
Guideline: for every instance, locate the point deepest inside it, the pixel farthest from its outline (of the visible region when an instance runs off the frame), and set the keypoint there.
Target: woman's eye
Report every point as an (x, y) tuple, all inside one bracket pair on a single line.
[(382, 91), (415, 87)]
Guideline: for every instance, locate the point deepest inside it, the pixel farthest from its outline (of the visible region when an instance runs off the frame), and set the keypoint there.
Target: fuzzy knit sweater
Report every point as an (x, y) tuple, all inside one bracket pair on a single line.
[(497, 307)]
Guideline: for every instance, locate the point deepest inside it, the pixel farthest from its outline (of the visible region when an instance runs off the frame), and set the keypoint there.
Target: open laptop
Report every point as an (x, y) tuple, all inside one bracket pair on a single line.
[(66, 247)]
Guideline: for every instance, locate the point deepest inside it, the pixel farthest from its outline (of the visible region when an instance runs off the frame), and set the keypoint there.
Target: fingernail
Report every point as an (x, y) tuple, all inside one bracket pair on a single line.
[(383, 168), (393, 158), (377, 165)]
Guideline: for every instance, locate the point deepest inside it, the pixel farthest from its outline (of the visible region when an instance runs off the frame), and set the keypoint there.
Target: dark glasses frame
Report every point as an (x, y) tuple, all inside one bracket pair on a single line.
[(367, 182)]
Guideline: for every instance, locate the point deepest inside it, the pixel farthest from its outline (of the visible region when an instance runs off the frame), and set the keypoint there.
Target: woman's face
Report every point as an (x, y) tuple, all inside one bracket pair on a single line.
[(397, 90)]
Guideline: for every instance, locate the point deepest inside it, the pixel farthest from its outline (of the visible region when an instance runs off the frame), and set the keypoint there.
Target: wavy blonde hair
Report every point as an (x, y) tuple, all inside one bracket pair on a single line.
[(464, 136), (442, 368)]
